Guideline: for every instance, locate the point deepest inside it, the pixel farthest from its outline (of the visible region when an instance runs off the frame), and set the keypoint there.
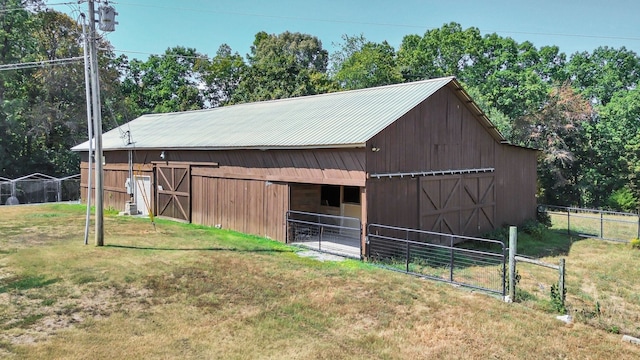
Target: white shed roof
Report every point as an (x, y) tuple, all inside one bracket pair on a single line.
[(341, 119)]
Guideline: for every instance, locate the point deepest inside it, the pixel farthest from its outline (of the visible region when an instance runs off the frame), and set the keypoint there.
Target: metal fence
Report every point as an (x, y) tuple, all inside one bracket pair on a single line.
[(338, 235), (467, 261), (39, 188), (606, 225)]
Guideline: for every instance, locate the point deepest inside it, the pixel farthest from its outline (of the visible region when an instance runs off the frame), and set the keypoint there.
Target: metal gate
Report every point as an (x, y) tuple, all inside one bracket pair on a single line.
[(174, 191), (467, 261), (339, 235), (458, 204)]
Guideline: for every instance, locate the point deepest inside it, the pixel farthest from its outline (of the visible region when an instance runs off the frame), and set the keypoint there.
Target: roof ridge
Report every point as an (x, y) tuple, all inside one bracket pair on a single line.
[(298, 98)]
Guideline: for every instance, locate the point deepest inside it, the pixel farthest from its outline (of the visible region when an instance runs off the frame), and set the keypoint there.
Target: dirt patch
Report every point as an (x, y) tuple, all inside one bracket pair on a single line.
[(28, 316)]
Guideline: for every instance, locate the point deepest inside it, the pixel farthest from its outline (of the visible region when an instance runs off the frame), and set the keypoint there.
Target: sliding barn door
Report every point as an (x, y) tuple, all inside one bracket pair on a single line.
[(461, 204), (174, 191)]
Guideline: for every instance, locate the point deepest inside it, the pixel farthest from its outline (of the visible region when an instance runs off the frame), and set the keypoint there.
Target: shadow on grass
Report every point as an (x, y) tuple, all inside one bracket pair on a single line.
[(200, 249), (550, 242), (553, 242), (25, 283)]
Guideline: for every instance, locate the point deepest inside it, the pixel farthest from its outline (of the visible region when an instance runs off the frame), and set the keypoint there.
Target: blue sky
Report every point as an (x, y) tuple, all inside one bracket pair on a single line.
[(152, 26)]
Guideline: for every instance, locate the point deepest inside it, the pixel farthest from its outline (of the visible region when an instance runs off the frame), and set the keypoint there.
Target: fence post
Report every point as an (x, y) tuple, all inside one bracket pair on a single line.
[(320, 231), (568, 222), (407, 257), (451, 259), (601, 225), (513, 245), (561, 285)]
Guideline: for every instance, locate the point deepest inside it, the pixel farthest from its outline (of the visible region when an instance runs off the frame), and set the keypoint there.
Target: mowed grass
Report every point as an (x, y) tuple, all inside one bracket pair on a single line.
[(612, 226), (189, 292)]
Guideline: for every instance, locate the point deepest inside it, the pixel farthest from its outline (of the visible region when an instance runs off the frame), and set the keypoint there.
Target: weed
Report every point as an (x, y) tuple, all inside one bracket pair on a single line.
[(635, 243), (557, 299), (534, 228), (500, 234), (544, 218), (523, 295)]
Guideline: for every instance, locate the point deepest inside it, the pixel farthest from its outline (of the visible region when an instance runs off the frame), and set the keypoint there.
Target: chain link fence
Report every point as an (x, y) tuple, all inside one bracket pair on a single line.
[(39, 188)]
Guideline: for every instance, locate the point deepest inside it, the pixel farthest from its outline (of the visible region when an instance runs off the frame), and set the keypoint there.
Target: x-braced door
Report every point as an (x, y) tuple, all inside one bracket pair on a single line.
[(461, 204), (174, 190)]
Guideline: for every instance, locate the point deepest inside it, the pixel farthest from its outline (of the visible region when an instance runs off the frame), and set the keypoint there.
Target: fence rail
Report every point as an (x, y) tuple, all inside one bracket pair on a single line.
[(466, 261), (340, 235), (606, 225)]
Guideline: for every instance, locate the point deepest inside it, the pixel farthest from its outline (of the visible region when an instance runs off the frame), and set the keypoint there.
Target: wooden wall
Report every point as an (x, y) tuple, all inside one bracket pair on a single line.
[(516, 184), (313, 166), (249, 206), (439, 134), (115, 174), (305, 197), (246, 190), (443, 133)]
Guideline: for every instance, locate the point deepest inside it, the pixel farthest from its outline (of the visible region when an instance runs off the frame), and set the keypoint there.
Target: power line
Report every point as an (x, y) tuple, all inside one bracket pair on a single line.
[(203, 57), (36, 64), (35, 7), (337, 21)]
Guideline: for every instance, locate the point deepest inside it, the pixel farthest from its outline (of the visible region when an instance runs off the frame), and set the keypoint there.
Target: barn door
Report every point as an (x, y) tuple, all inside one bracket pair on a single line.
[(462, 204), (174, 191)]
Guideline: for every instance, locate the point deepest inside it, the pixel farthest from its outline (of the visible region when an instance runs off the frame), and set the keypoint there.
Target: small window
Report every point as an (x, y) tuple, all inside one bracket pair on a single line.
[(351, 194), (330, 195)]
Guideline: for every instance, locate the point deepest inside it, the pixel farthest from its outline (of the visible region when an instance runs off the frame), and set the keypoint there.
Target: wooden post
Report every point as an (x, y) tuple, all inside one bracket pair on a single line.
[(513, 245), (568, 222), (561, 285), (601, 225)]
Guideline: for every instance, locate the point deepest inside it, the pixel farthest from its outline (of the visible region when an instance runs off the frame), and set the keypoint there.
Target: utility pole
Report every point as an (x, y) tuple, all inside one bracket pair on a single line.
[(87, 80), (107, 23), (97, 125)]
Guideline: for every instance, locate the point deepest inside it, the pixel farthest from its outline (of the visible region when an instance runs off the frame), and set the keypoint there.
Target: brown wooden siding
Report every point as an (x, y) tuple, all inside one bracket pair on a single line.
[(115, 195), (318, 166), (443, 133), (248, 206), (439, 134), (305, 197), (516, 185), (393, 202)]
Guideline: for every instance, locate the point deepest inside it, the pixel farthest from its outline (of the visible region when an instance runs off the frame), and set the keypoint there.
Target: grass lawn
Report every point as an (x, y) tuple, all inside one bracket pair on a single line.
[(188, 292)]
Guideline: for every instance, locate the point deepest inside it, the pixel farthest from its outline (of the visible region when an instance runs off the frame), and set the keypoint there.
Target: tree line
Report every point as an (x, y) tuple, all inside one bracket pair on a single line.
[(582, 111)]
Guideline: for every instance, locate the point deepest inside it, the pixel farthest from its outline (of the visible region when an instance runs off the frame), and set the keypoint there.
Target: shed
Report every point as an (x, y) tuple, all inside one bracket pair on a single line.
[(419, 155)]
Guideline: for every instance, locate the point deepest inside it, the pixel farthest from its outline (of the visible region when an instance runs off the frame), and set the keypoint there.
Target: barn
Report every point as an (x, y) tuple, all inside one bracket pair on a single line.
[(419, 155)]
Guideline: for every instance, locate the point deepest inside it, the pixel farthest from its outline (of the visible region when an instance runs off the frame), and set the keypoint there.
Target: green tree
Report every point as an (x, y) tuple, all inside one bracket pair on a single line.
[(283, 66), (56, 117), (508, 76), (14, 47), (222, 76), (614, 150), (42, 109), (603, 72), (447, 51), (164, 83), (362, 64)]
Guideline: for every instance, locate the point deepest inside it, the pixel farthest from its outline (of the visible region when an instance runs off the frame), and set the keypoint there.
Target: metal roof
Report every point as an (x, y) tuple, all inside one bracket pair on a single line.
[(341, 119)]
